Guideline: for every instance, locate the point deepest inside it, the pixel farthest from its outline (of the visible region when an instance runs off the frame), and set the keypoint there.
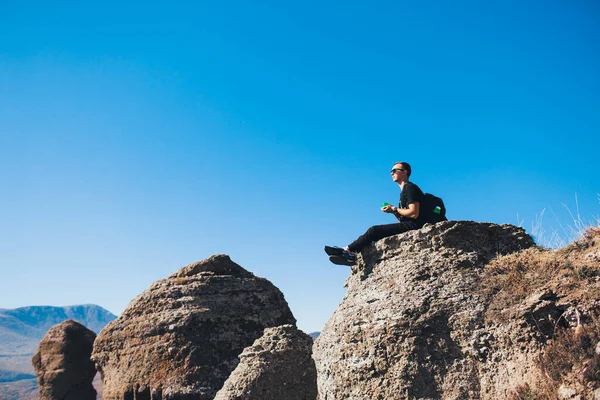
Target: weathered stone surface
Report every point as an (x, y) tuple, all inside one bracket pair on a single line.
[(277, 366), (62, 363), (181, 338), (566, 392), (412, 322)]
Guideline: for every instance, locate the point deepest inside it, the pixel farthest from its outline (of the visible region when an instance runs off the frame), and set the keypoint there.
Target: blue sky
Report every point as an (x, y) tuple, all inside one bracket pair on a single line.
[(138, 138)]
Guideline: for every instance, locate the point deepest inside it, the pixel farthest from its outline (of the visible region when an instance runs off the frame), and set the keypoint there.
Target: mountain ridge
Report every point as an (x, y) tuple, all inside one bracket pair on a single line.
[(30, 320), (21, 330)]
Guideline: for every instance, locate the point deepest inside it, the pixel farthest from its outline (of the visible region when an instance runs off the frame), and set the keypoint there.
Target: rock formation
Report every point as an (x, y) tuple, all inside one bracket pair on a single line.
[(62, 363), (277, 366), (182, 337), (412, 324)]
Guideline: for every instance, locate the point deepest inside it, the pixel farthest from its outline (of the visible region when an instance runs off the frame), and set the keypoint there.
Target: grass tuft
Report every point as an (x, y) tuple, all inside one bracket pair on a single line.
[(524, 392), (565, 234), (571, 358)]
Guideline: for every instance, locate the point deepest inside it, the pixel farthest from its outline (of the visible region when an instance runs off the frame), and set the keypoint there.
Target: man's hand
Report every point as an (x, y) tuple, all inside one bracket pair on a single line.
[(389, 209)]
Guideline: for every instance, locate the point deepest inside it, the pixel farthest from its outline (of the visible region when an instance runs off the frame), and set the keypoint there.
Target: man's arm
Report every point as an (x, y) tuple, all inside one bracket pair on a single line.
[(411, 212)]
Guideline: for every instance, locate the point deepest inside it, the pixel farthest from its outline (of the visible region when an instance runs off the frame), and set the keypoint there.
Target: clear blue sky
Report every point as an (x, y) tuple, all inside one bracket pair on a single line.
[(137, 138)]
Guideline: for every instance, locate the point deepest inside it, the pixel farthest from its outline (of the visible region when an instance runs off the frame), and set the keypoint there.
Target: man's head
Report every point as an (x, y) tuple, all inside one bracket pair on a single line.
[(401, 171)]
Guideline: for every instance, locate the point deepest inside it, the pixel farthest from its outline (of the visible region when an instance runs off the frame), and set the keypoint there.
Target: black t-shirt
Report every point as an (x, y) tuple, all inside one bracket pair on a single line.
[(411, 193)]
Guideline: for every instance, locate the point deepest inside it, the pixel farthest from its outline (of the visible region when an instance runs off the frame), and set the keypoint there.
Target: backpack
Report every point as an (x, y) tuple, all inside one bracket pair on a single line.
[(432, 209)]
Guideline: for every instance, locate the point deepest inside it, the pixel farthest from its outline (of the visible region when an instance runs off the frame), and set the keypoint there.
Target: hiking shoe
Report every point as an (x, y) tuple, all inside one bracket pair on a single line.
[(347, 258), (334, 251)]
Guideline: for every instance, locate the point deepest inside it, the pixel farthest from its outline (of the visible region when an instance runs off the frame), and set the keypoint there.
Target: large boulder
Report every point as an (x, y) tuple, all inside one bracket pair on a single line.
[(277, 366), (412, 323), (62, 363), (182, 337)]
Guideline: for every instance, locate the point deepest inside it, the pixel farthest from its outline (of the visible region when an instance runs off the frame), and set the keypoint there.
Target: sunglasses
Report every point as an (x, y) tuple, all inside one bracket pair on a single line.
[(396, 170)]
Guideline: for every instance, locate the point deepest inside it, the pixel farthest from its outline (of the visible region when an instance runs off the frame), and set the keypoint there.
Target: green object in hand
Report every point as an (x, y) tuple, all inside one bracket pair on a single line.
[(385, 204)]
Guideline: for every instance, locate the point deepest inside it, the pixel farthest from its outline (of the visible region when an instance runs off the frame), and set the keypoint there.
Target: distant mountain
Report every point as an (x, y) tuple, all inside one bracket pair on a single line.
[(34, 321), (21, 330)]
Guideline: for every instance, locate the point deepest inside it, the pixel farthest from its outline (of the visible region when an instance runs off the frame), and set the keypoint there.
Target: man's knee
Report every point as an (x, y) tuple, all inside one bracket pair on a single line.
[(372, 230)]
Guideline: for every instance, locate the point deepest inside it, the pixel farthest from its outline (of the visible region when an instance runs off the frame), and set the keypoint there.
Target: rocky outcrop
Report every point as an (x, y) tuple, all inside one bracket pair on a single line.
[(412, 324), (62, 363), (182, 337), (277, 366)]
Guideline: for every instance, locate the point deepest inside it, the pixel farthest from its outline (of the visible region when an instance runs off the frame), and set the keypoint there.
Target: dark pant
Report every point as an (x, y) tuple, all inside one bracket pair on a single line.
[(377, 232)]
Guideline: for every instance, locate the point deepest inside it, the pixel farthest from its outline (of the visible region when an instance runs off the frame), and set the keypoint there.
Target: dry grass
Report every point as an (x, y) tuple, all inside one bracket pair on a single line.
[(573, 351), (181, 280), (509, 279), (569, 359), (573, 274), (524, 392), (562, 234)]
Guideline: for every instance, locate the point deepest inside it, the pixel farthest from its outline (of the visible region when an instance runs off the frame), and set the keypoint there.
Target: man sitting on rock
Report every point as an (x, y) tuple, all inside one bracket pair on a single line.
[(407, 213)]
